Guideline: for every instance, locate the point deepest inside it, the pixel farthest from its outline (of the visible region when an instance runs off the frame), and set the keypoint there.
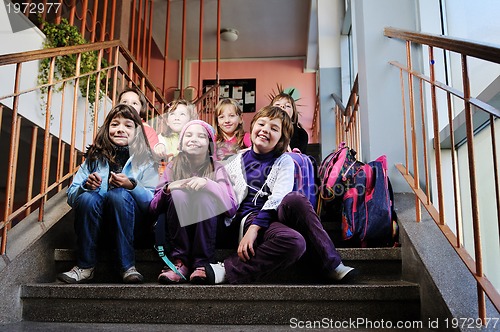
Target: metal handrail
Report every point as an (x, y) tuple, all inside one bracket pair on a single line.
[(58, 153), (410, 170)]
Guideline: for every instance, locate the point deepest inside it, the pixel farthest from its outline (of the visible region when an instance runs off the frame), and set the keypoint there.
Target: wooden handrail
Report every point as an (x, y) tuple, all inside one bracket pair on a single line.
[(488, 52), (410, 171)]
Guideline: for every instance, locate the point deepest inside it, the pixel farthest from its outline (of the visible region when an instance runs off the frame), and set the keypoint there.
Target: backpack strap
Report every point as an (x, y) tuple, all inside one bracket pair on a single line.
[(167, 261)]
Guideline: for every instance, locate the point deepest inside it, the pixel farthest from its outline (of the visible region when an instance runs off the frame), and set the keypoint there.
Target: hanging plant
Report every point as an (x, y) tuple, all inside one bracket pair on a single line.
[(64, 34)]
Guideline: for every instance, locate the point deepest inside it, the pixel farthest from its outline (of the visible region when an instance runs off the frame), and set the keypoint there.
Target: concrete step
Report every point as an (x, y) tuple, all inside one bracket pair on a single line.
[(264, 304), (372, 263)]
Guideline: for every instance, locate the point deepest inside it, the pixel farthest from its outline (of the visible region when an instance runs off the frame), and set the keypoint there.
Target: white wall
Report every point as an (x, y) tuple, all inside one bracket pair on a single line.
[(32, 105)]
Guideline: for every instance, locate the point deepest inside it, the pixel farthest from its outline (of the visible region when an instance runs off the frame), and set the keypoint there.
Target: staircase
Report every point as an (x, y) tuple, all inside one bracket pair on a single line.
[(378, 294)]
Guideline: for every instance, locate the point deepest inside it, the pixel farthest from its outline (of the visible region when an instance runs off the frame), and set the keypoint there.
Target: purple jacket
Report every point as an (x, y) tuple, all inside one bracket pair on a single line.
[(220, 188)]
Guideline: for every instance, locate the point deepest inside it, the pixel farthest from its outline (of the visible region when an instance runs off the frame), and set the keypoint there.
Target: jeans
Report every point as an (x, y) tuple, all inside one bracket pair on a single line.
[(116, 212), (284, 242)]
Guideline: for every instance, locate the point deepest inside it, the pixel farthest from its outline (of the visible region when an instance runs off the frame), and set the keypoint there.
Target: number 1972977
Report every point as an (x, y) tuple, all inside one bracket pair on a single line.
[(33, 8)]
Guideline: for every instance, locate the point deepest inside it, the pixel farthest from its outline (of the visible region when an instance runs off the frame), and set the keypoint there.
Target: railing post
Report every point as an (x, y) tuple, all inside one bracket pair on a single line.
[(46, 141), (473, 188), (411, 103), (437, 139)]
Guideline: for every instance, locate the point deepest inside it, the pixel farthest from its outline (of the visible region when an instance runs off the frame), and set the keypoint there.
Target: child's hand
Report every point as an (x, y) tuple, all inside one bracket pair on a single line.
[(245, 248), (120, 180), (195, 183), (93, 181), (161, 151)]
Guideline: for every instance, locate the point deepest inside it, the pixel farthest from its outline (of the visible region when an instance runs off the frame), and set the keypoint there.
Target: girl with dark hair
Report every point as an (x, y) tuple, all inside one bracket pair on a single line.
[(111, 191)]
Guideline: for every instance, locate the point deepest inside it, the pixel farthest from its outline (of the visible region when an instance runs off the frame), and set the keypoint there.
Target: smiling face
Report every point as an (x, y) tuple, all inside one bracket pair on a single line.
[(195, 140), (132, 99), (228, 120), (285, 105), (121, 131), (266, 133), (178, 118)]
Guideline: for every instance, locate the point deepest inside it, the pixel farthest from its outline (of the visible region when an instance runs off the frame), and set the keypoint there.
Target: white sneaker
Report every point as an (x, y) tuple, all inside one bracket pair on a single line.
[(77, 275), (216, 273), (132, 276), (342, 273)]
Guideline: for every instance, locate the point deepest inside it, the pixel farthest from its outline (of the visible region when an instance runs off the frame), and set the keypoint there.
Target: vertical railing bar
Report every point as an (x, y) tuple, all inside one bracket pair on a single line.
[(150, 35), (9, 188), (72, 12), (16, 159), (217, 61), (94, 21), (454, 165), (97, 90), (106, 91), (84, 17), (45, 158), (60, 163), (167, 30), (144, 34), (58, 12), (86, 116), (411, 103), (405, 124), (104, 22), (200, 46), (31, 173), (436, 139), (473, 188), (183, 47), (74, 111), (44, 12), (115, 75), (112, 25), (495, 167), (139, 26), (424, 142), (132, 28)]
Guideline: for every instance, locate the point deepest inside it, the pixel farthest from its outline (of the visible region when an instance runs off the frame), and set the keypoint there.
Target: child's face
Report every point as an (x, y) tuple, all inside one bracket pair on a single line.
[(195, 140), (121, 131), (285, 105), (228, 120), (132, 99), (178, 118), (266, 133)]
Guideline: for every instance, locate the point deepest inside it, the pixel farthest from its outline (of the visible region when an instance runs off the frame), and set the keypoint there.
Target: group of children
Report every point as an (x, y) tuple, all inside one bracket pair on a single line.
[(221, 183)]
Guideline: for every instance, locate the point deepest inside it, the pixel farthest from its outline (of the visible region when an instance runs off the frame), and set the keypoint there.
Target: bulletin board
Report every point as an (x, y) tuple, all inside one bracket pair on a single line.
[(242, 90)]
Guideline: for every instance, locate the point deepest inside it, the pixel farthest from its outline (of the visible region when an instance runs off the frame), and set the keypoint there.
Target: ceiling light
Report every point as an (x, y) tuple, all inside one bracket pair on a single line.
[(229, 35)]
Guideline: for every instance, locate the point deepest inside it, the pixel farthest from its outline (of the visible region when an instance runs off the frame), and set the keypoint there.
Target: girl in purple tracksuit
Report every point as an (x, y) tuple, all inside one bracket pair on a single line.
[(276, 224), (193, 195)]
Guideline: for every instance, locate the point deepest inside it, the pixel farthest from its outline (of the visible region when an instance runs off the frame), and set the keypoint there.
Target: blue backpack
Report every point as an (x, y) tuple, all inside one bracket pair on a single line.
[(305, 175), (368, 215)]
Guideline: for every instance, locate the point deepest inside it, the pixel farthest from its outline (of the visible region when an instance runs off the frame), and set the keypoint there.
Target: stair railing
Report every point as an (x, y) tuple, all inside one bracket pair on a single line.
[(52, 123), (414, 85), (346, 120), (206, 105)]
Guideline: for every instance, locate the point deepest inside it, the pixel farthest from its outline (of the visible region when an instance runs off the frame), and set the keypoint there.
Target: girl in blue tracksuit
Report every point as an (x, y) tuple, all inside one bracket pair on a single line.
[(112, 190)]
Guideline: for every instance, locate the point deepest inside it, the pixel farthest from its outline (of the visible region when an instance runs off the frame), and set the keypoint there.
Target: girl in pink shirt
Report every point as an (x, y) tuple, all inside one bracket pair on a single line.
[(231, 136)]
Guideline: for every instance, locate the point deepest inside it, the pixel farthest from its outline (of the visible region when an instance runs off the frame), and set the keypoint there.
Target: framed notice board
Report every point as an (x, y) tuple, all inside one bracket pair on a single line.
[(243, 90)]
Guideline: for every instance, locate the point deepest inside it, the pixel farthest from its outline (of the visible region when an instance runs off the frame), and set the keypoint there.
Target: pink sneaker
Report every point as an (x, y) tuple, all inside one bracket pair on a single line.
[(199, 276), (167, 276)]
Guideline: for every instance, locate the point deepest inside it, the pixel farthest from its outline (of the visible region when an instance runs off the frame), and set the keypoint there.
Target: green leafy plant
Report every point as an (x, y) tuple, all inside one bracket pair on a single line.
[(64, 34)]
